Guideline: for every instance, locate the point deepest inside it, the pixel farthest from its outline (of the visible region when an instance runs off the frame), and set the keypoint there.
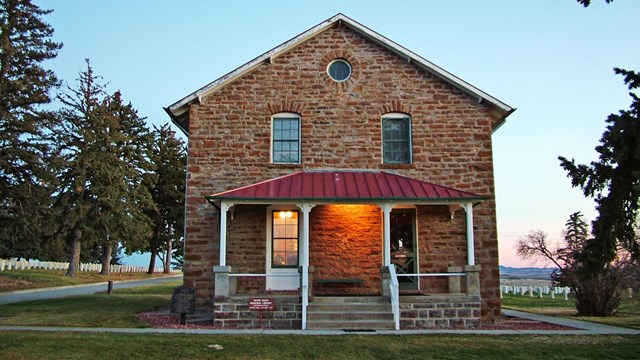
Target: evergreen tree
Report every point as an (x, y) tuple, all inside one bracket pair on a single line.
[(26, 182), (167, 186), (614, 181), (586, 3), (101, 143)]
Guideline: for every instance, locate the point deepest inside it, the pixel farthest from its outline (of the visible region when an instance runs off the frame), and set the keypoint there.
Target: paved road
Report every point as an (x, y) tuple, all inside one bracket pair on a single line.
[(75, 290)]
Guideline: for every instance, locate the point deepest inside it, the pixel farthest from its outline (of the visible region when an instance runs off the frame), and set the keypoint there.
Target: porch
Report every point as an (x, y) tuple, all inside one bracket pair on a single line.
[(391, 310), (348, 244)]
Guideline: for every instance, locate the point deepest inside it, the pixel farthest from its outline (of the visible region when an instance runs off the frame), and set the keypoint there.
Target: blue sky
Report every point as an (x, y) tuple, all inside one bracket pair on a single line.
[(551, 59)]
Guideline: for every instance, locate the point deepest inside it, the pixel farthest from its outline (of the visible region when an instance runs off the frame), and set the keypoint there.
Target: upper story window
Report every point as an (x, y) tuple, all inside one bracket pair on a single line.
[(285, 138), (339, 70), (396, 138)]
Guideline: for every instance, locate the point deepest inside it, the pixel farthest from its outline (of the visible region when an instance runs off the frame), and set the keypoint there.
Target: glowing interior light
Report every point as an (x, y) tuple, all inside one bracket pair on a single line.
[(289, 214), (283, 214)]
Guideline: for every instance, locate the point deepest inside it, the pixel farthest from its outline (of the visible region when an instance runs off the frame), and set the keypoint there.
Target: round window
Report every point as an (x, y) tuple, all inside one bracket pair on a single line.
[(339, 70)]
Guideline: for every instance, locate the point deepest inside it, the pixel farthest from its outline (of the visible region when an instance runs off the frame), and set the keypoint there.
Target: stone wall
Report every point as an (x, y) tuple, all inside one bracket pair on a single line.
[(439, 312), (345, 243), (234, 313), (442, 242), (229, 143)]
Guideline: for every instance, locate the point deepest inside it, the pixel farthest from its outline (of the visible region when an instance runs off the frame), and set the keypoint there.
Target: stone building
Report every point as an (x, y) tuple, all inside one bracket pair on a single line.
[(346, 179)]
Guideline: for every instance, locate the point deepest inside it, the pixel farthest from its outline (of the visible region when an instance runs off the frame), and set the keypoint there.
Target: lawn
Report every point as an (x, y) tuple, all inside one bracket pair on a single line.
[(100, 310), (119, 309), (628, 314), (40, 345), (38, 278)]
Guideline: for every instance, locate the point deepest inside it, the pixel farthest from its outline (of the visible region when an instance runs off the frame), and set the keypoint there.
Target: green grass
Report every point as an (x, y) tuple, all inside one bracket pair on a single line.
[(37, 345), (37, 278), (535, 304), (628, 314), (99, 310)]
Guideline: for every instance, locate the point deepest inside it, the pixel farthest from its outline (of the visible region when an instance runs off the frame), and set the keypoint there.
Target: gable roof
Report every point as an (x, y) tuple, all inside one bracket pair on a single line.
[(178, 111), (346, 187)]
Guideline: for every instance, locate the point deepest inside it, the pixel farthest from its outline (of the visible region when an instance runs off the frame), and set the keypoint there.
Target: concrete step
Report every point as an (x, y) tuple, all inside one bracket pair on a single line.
[(314, 307), (349, 300), (350, 312), (348, 316), (351, 325)]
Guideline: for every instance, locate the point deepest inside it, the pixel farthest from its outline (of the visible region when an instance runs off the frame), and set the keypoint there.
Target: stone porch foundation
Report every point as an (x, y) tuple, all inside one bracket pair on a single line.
[(233, 313), (447, 311)]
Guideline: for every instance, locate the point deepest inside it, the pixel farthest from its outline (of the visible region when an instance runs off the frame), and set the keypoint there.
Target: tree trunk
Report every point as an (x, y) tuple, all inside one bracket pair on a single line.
[(74, 263), (154, 249), (167, 258), (106, 258)]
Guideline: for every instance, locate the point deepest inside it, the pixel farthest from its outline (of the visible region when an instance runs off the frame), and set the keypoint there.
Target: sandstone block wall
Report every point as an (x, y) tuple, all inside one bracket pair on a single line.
[(234, 313), (229, 146), (439, 312)]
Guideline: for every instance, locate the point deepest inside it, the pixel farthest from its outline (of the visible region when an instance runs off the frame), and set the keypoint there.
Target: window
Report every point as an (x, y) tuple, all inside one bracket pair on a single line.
[(284, 250), (396, 139), (285, 147), (339, 70)]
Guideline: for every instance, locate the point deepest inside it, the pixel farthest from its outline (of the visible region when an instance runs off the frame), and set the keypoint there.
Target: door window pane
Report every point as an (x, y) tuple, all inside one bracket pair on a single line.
[(285, 239)]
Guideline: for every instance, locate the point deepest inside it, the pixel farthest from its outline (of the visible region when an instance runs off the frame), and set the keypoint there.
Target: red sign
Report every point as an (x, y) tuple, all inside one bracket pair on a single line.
[(261, 304)]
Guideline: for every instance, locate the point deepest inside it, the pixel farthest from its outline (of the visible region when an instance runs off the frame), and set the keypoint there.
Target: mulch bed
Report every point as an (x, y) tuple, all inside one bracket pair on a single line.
[(163, 320), (515, 323)]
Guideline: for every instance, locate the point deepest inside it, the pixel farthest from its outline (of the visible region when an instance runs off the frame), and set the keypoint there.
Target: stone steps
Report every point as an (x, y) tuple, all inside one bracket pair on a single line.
[(351, 313)]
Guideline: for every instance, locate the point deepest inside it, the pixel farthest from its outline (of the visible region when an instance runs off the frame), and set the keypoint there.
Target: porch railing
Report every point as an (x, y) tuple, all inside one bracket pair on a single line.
[(263, 275), (455, 274), (394, 291), (305, 295)]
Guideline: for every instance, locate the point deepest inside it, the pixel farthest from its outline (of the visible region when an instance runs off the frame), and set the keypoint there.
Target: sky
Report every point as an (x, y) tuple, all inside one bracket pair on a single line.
[(553, 60)]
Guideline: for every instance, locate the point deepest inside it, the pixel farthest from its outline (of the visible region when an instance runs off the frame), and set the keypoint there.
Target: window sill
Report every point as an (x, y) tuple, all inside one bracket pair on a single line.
[(285, 166), (397, 166)]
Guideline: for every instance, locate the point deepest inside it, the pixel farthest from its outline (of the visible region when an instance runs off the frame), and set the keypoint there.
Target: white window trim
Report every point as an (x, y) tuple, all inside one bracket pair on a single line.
[(416, 235), (397, 115), (344, 61), (286, 115), (281, 283)]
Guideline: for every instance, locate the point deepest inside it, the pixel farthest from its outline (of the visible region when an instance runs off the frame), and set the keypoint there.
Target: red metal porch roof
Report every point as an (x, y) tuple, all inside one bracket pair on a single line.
[(346, 186)]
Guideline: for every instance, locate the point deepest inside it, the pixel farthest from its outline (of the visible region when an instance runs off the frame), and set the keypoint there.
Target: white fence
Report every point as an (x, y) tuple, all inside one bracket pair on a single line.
[(535, 291), (15, 264)]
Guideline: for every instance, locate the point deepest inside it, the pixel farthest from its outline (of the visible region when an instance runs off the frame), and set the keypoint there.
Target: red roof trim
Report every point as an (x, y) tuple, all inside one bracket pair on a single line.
[(345, 186)]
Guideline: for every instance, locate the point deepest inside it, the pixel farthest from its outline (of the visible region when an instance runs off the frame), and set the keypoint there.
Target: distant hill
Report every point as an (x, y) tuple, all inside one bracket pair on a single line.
[(525, 273)]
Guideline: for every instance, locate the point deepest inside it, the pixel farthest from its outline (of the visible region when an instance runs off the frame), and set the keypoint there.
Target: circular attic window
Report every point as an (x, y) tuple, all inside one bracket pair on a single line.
[(339, 70)]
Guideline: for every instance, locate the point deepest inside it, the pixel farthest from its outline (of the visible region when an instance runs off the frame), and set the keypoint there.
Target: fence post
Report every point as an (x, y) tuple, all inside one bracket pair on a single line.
[(566, 293)]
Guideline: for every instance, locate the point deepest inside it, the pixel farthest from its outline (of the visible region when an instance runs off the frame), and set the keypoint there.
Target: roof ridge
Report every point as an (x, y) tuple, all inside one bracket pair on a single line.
[(177, 109)]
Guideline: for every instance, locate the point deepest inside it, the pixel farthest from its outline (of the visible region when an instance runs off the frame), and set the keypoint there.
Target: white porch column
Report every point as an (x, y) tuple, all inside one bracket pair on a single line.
[(386, 233), (304, 249), (224, 207), (468, 208), (304, 263)]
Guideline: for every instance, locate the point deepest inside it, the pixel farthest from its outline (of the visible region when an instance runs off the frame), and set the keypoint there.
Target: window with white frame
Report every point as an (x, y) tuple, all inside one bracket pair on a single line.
[(396, 138), (285, 138), (284, 237)]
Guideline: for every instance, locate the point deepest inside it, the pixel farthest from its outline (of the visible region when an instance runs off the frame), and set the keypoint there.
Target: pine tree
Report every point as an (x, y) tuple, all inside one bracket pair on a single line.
[(614, 181), (102, 144), (26, 181), (166, 185)]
